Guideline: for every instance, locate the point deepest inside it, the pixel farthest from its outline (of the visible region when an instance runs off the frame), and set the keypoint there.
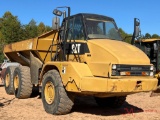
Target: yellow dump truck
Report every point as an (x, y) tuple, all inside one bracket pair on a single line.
[(85, 56)]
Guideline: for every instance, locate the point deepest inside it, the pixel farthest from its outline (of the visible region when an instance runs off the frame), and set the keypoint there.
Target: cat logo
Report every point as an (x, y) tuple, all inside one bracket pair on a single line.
[(76, 48)]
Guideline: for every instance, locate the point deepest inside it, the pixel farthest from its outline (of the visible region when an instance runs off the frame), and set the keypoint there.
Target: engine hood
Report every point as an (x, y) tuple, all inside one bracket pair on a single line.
[(117, 52)]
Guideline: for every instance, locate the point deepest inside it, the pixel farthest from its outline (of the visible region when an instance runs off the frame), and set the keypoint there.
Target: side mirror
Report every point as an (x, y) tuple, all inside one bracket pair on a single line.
[(57, 12), (56, 23), (137, 31)]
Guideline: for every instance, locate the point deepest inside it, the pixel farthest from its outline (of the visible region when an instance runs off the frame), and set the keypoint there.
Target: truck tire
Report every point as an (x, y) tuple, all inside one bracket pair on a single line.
[(8, 80), (22, 82), (54, 97), (114, 102)]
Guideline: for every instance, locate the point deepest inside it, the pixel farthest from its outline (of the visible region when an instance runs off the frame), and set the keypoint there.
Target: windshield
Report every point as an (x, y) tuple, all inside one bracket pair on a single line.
[(102, 29)]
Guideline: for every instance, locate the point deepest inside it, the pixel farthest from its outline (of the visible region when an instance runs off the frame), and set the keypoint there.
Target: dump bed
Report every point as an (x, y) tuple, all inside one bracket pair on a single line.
[(38, 46)]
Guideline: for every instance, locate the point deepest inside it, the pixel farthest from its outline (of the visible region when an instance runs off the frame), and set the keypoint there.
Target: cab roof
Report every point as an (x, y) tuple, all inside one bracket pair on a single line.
[(93, 16)]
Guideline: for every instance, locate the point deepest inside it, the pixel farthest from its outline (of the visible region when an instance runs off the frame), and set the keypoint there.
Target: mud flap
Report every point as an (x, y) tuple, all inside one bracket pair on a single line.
[(156, 92)]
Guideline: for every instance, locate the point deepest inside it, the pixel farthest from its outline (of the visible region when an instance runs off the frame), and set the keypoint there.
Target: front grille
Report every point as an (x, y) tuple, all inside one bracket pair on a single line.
[(133, 70), (133, 67)]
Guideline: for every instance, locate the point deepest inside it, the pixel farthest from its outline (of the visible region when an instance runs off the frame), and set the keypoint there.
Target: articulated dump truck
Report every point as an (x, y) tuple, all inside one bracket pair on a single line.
[(84, 57)]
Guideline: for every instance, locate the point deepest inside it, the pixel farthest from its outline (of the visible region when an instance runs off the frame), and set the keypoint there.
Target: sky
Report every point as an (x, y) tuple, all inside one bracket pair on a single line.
[(123, 11)]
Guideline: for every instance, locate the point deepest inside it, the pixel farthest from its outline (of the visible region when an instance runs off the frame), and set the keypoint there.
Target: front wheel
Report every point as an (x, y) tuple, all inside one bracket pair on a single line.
[(54, 97)]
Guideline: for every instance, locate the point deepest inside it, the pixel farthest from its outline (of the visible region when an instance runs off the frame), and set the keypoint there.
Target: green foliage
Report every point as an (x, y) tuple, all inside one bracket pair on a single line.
[(123, 34), (147, 36), (31, 30), (155, 36), (126, 37), (42, 28), (48, 28), (1, 53), (11, 30)]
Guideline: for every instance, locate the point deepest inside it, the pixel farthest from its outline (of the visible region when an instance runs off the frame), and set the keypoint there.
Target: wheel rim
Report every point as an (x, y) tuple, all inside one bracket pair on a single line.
[(49, 92), (7, 80), (16, 82)]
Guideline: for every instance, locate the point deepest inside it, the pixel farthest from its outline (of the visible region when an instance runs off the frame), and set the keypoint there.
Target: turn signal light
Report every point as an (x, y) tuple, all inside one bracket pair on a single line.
[(145, 73), (128, 73), (125, 73)]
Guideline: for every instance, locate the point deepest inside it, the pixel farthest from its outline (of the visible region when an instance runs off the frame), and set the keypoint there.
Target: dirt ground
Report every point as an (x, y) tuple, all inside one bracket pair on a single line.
[(138, 106)]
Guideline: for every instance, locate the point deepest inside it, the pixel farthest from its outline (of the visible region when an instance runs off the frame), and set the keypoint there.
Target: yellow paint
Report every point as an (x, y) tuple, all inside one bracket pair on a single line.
[(148, 40), (49, 92), (100, 69), (111, 51), (39, 45), (122, 85)]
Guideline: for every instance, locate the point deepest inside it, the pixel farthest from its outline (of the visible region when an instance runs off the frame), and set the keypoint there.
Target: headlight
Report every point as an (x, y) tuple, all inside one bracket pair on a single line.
[(151, 68), (114, 67)]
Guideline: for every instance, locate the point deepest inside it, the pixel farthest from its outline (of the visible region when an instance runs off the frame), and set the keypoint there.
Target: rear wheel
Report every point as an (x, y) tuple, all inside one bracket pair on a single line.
[(8, 80), (114, 102), (54, 97), (22, 82)]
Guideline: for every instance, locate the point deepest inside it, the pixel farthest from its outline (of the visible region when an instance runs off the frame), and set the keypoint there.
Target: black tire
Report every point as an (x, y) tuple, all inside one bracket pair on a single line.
[(54, 97), (8, 80), (22, 82), (114, 102)]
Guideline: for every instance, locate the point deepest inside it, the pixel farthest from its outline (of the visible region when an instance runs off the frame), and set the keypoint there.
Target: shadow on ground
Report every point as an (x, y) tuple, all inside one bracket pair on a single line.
[(35, 92), (1, 104), (89, 106), (4, 101), (1, 85)]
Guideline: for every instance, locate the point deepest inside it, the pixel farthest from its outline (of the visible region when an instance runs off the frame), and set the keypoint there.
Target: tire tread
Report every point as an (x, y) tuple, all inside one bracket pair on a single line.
[(26, 86), (65, 104)]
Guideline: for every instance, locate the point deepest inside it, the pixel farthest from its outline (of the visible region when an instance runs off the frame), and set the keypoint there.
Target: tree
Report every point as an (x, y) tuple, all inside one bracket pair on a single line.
[(155, 36), (2, 41), (123, 34), (126, 37), (10, 31), (10, 28), (48, 28), (31, 30), (41, 28), (147, 36)]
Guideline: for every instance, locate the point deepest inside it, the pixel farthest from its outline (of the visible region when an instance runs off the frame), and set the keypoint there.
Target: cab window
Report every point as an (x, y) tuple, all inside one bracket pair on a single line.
[(76, 31)]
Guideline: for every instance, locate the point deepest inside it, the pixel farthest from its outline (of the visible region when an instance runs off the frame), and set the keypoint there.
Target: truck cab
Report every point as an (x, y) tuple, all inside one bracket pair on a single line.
[(78, 29)]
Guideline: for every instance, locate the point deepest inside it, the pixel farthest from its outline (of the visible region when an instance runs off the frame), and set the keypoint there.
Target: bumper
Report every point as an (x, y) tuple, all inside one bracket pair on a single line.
[(125, 85)]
